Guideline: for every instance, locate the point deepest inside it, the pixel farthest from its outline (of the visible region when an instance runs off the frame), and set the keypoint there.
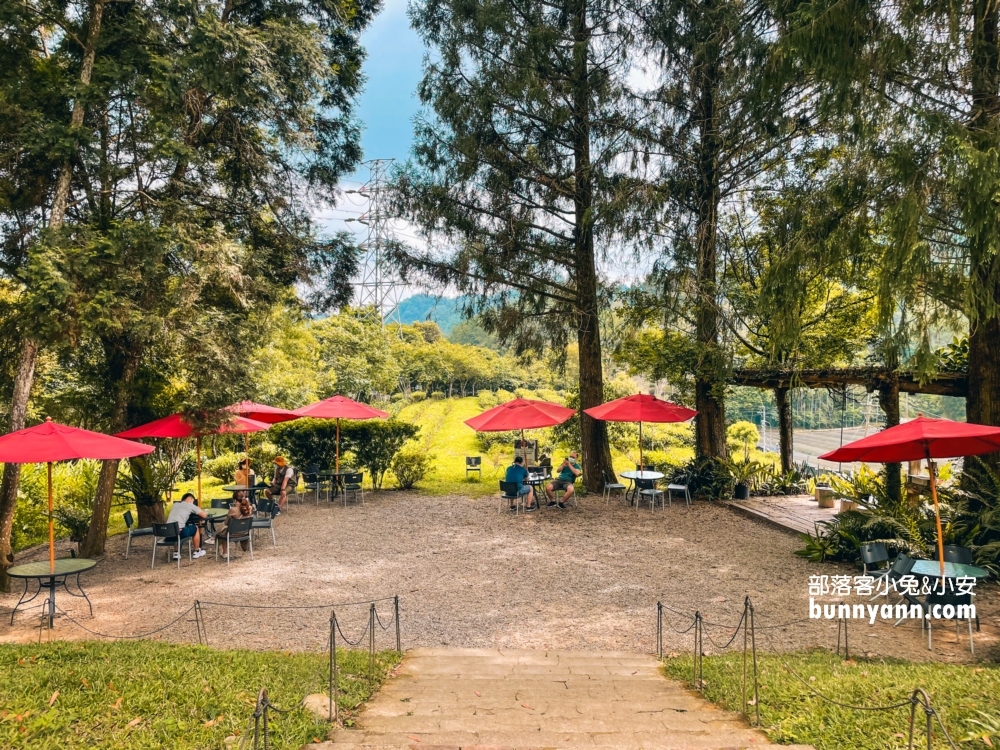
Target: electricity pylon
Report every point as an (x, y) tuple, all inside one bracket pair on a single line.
[(378, 287)]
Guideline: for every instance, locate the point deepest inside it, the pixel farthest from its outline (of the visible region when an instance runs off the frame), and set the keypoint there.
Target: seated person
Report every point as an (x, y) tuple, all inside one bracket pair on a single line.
[(181, 513), (241, 509), (518, 474), (569, 470), (245, 477), (283, 474)]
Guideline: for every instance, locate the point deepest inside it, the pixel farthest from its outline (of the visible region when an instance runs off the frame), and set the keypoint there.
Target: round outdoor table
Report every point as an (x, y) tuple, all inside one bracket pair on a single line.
[(249, 489), (214, 515), (537, 481), (932, 569), (632, 476), (48, 578)]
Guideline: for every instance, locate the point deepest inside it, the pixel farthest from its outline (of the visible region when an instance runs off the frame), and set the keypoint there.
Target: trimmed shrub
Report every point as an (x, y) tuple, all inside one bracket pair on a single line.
[(438, 395), (410, 465), (223, 466), (396, 397), (487, 399), (417, 396), (489, 440), (503, 396)]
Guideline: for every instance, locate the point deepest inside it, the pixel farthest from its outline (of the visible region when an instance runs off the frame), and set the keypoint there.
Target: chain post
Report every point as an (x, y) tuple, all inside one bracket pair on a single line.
[(753, 646), (746, 643), (659, 629), (199, 624), (371, 643), (395, 606), (333, 645)]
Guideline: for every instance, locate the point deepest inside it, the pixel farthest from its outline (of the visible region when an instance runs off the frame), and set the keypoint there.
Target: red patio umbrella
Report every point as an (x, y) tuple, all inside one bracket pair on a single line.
[(175, 426), (922, 438), (340, 407), (259, 413), (50, 441), (641, 408), (520, 414)]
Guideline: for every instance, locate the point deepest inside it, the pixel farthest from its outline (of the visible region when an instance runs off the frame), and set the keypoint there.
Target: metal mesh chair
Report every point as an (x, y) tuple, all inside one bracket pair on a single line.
[(679, 484), (509, 492), (168, 534), (354, 483), (473, 463), (221, 503), (129, 523), (648, 491), (237, 530), (264, 519), (611, 486)]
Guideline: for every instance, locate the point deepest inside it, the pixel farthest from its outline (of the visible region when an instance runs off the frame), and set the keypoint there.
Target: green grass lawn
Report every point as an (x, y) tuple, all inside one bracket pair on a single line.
[(145, 694), (790, 713)]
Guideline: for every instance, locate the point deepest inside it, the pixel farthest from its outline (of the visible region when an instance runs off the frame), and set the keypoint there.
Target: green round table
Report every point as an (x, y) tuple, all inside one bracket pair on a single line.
[(48, 578), (932, 568)]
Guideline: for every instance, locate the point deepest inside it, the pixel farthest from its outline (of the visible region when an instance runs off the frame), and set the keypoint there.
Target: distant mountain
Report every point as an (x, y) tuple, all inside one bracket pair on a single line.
[(442, 310)]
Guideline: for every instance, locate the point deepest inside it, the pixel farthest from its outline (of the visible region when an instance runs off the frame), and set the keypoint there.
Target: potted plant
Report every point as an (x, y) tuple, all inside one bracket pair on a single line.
[(744, 474)]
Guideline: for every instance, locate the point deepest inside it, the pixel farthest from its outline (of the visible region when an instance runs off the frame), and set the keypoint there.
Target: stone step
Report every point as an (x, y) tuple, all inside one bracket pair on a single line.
[(485, 698)]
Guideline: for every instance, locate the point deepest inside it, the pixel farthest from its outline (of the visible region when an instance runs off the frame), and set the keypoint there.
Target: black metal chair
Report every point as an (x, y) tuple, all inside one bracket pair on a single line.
[(473, 463), (129, 523), (611, 486), (354, 483), (168, 534), (221, 502), (509, 492), (955, 554), (310, 475), (237, 530), (264, 519), (874, 554)]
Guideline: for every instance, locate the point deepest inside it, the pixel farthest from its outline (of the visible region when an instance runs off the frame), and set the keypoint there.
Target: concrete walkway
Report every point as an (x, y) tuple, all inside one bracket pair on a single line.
[(484, 698)]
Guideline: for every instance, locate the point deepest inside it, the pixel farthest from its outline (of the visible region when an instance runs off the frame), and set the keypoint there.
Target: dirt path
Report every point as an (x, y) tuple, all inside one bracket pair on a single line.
[(581, 579)]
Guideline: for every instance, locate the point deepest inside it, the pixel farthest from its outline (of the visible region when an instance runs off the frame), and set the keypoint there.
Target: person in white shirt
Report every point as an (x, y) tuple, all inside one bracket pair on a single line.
[(180, 513), (283, 474)]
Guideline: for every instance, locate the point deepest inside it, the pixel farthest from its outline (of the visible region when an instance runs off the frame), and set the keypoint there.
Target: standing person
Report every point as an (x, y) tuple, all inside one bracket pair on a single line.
[(180, 513), (283, 474), (242, 509), (569, 470), (517, 473)]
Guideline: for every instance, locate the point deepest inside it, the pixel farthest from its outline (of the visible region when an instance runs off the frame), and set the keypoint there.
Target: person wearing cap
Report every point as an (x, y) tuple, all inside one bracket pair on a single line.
[(283, 474)]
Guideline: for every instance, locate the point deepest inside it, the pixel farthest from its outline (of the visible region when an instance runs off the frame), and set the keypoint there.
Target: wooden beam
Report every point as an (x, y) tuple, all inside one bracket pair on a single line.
[(944, 384)]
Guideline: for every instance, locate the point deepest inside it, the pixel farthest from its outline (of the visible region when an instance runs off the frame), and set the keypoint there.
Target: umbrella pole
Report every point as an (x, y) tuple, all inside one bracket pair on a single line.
[(937, 516), (246, 449), (642, 466), (198, 450), (52, 530), (336, 468)]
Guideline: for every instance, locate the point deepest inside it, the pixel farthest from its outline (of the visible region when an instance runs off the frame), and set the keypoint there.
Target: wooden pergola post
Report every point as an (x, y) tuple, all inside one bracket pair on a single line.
[(785, 434)]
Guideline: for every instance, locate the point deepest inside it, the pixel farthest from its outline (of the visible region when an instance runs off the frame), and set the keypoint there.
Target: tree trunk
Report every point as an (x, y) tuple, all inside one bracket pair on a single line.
[(12, 472), (982, 404), (785, 433), (888, 398), (710, 426), (124, 357), (593, 432), (60, 198)]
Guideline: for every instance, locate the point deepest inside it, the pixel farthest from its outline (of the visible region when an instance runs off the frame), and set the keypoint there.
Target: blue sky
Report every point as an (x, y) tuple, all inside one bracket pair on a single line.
[(389, 101)]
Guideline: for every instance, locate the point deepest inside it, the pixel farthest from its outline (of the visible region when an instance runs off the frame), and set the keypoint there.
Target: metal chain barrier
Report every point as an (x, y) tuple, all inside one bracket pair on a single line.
[(748, 625), (261, 731)]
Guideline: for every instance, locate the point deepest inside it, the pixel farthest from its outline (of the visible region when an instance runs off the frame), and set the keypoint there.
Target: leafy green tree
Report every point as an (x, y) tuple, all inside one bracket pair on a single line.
[(720, 126), (522, 166), (176, 208), (918, 93)]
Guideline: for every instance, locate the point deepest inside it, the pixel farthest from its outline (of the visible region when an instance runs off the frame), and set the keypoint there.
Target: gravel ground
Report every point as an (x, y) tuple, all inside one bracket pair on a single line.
[(586, 578)]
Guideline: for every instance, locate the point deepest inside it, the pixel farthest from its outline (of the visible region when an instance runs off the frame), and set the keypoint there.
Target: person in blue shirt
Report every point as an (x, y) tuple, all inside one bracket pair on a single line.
[(517, 473), (569, 470)]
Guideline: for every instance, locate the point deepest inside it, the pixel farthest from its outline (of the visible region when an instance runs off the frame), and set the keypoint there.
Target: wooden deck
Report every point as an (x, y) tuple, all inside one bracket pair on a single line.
[(795, 513)]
